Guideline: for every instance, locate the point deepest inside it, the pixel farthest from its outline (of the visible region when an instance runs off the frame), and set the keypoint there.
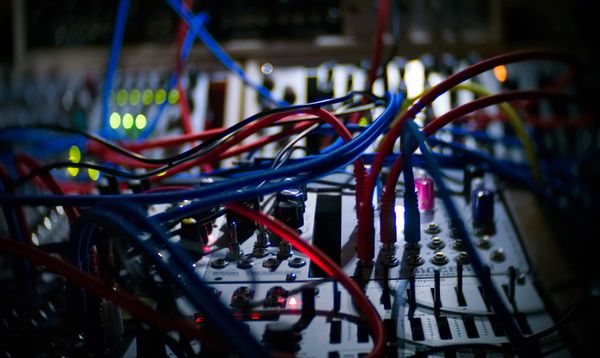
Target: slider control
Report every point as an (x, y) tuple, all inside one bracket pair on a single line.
[(460, 297), (437, 302), (412, 296), (482, 209), (512, 272)]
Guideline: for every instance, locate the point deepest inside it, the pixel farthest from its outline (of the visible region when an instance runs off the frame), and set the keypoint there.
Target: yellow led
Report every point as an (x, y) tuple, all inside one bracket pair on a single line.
[(93, 174), (122, 97), (161, 174), (363, 122), (74, 154), (127, 121), (173, 96), (73, 171), (134, 97), (160, 96), (115, 120), (140, 121), (147, 97)]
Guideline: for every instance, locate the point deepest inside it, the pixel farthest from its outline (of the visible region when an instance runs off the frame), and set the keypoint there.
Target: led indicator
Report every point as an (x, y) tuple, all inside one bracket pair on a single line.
[(134, 97), (293, 302), (140, 121), (74, 154), (127, 121), (75, 157), (148, 97), (73, 171), (122, 97), (173, 96), (93, 174), (266, 68), (115, 120), (500, 73), (160, 96)]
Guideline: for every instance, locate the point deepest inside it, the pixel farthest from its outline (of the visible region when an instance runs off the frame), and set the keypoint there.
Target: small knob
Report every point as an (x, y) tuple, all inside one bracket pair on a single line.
[(295, 195), (290, 212), (191, 230)]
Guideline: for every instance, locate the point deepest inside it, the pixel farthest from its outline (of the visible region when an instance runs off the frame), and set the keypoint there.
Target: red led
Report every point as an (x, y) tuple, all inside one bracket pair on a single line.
[(293, 301), (200, 319), (255, 316)]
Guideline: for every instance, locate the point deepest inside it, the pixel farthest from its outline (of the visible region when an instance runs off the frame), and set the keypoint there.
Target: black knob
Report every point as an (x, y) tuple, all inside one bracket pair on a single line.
[(290, 212), (295, 195), (482, 209)]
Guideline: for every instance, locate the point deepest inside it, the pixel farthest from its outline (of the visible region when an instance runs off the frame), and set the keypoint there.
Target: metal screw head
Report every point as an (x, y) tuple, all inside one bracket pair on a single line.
[(484, 243), (290, 277), (245, 264), (498, 255), (296, 262), (270, 263), (219, 264), (415, 260), (432, 229), (439, 258), (463, 258), (458, 245), (436, 242)]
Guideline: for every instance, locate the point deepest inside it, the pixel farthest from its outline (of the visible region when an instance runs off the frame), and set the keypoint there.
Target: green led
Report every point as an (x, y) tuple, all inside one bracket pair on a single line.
[(122, 97), (147, 97), (173, 96), (114, 120), (134, 97), (140, 121), (127, 121), (160, 96)]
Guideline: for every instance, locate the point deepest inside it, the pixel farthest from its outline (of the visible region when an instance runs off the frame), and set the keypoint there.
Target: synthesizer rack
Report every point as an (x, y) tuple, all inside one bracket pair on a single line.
[(444, 207)]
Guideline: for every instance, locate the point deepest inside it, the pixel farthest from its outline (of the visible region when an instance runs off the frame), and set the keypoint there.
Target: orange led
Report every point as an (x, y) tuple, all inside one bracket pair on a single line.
[(500, 73)]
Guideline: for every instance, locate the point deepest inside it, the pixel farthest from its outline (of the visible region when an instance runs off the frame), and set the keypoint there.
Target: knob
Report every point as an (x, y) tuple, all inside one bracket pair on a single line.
[(194, 231), (290, 212), (482, 209), (295, 195)]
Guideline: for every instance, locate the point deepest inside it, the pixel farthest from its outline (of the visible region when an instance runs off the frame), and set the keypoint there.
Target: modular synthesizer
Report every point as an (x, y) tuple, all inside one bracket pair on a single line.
[(345, 179)]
